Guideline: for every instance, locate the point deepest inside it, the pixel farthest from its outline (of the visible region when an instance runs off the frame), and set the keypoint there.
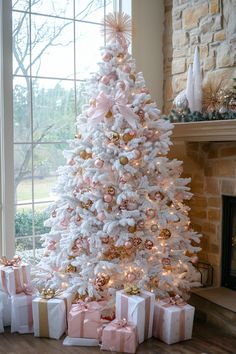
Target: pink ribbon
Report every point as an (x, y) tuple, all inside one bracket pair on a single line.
[(28, 289), (120, 326), (174, 301), (105, 103), (14, 262)]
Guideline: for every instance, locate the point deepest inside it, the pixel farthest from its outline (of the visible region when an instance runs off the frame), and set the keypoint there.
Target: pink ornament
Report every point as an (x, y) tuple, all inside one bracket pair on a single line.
[(195, 259), (141, 225), (137, 154), (71, 162), (113, 76), (150, 213), (108, 198), (105, 240), (86, 179), (105, 80), (101, 216), (106, 57), (128, 244), (126, 68), (98, 163), (131, 277), (120, 85)]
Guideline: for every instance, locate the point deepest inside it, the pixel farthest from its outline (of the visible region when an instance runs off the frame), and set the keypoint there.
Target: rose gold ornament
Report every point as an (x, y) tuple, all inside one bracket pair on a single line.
[(70, 269), (126, 68), (137, 241), (87, 205), (132, 77), (150, 213), (106, 57), (141, 224), (98, 163), (141, 114), (71, 162), (105, 80), (166, 262), (131, 276), (115, 137), (154, 228), (101, 280), (148, 244), (123, 160), (128, 244), (107, 198), (195, 259), (120, 56), (78, 218), (105, 240)]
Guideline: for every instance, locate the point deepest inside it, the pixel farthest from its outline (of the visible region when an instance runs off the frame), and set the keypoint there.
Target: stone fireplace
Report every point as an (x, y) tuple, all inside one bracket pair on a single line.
[(208, 151)]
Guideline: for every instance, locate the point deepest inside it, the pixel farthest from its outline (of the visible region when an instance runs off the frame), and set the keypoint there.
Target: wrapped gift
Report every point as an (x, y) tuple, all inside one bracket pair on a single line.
[(5, 300), (120, 336), (13, 275), (138, 309), (1, 317), (173, 320), (50, 315), (22, 314), (84, 320), (81, 342)]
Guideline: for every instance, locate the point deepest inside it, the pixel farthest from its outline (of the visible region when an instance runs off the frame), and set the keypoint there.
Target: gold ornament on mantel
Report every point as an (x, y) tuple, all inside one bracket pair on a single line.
[(216, 98)]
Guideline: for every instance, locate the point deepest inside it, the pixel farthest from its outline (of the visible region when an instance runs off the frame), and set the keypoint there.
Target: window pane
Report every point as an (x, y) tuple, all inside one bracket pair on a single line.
[(21, 5), (24, 247), (92, 10), (21, 109), (109, 6), (20, 43), (52, 47), (40, 215), (47, 159), (23, 173), (88, 41), (81, 97), (53, 110), (24, 220), (53, 7)]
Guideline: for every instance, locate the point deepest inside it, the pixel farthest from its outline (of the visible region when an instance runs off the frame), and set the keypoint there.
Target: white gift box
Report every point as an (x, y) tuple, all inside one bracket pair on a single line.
[(81, 342), (5, 301), (50, 316), (1, 317), (22, 314), (12, 279), (138, 309), (173, 323)]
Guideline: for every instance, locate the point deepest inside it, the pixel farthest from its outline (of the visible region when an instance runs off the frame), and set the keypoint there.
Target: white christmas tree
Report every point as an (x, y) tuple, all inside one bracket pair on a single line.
[(120, 217)]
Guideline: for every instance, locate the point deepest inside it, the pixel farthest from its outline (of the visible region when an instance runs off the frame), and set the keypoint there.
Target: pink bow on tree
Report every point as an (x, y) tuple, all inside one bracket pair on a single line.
[(104, 104)]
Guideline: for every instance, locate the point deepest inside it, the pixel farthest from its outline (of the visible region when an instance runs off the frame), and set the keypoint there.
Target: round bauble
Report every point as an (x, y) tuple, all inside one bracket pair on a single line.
[(101, 216), (195, 259), (70, 269), (148, 244), (120, 56), (140, 224), (132, 77), (87, 205), (154, 227), (111, 190), (107, 198), (150, 213), (126, 68), (109, 114), (165, 234), (105, 80), (132, 229), (131, 276), (105, 240), (128, 244), (115, 137), (123, 160), (54, 214), (98, 163), (141, 114), (106, 57), (137, 241)]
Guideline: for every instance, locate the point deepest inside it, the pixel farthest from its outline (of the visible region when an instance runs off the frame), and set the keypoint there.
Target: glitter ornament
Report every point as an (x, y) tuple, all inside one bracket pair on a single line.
[(98, 163), (131, 276), (87, 205), (115, 137), (101, 280), (128, 244), (154, 228), (150, 213), (70, 269), (165, 234), (127, 137), (107, 198), (85, 155), (111, 190), (132, 229), (123, 160), (140, 224), (148, 244), (137, 241)]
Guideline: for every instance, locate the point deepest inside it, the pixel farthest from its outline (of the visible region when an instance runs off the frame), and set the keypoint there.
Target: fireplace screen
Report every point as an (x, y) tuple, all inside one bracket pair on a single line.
[(229, 243)]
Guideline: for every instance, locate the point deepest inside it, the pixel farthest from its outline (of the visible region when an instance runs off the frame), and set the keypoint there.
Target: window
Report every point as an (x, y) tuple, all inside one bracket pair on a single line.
[(55, 46)]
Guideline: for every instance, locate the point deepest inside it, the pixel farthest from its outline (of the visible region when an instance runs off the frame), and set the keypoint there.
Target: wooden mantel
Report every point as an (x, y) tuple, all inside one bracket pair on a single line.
[(221, 130)]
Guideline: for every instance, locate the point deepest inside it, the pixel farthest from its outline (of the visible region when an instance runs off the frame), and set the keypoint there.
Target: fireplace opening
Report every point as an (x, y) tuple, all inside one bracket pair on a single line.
[(229, 243)]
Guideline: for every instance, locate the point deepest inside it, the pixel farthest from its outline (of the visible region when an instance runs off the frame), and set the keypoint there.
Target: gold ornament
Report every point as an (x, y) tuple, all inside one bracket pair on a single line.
[(131, 289), (85, 155), (101, 280), (148, 244), (123, 160), (120, 56), (109, 114), (132, 77), (115, 137), (154, 228), (87, 205), (127, 137), (132, 229), (165, 234), (111, 190), (70, 269), (92, 102), (137, 241)]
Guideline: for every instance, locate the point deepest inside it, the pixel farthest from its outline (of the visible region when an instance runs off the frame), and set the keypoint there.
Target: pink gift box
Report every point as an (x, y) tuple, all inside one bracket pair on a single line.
[(84, 320), (120, 336), (13, 278)]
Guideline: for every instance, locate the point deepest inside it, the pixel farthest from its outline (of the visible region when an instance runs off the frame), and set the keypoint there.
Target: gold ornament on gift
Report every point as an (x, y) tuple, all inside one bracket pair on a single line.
[(70, 269), (131, 289), (165, 234), (123, 160)]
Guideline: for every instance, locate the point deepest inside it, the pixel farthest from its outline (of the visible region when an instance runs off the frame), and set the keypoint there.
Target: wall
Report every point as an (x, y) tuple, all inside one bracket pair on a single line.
[(148, 19), (209, 24)]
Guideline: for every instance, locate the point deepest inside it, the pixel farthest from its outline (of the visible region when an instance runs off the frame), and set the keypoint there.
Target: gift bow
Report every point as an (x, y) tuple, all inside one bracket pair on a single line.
[(85, 306), (28, 289), (175, 301), (48, 293), (14, 262), (131, 289), (105, 103)]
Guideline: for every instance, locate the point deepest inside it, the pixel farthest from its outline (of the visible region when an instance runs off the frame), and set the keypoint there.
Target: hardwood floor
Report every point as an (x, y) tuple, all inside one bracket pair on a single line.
[(206, 340)]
